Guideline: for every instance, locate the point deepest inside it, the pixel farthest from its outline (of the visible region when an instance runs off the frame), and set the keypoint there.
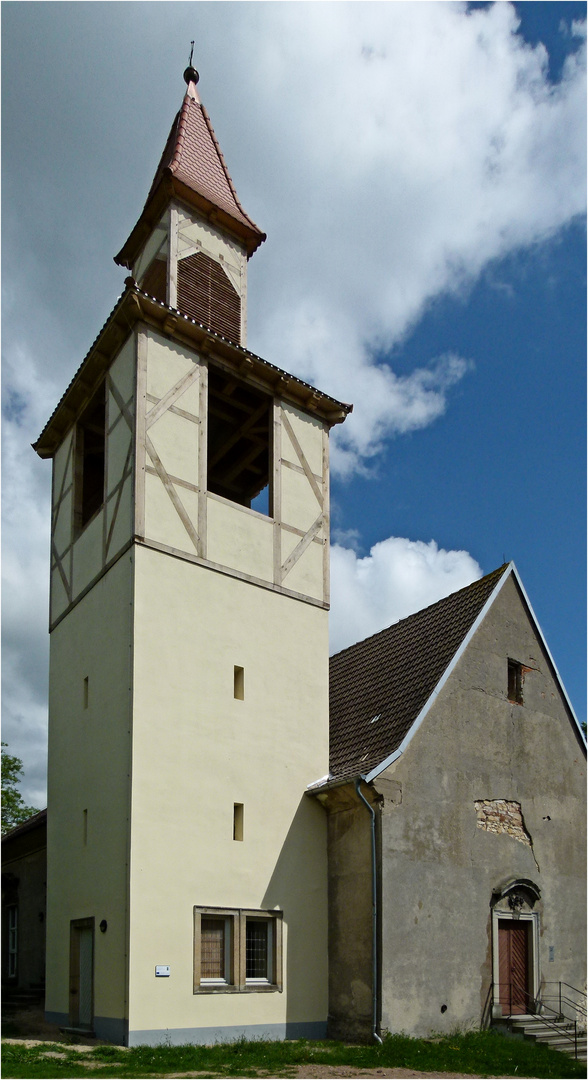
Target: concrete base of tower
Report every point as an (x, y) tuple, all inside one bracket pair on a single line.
[(204, 1036)]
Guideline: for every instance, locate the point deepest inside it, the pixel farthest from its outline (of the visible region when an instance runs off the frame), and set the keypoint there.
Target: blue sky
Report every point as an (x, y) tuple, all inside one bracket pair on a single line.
[(420, 172), (502, 473)]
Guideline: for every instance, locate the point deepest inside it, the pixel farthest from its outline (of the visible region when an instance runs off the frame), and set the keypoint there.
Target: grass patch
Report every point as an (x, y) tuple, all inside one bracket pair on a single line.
[(483, 1053)]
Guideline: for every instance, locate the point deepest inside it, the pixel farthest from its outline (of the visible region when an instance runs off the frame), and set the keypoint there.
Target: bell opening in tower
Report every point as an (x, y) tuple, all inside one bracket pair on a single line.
[(90, 458), (239, 455)]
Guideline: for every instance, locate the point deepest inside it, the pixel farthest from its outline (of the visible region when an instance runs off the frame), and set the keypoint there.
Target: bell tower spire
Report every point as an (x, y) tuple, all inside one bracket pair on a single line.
[(188, 701), (190, 247)]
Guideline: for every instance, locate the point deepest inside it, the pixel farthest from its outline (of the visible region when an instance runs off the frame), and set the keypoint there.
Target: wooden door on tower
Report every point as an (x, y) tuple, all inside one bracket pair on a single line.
[(514, 966), (81, 978)]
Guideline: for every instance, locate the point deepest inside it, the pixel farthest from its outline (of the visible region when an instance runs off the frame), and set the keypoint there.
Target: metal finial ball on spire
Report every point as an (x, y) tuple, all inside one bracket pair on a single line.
[(191, 75)]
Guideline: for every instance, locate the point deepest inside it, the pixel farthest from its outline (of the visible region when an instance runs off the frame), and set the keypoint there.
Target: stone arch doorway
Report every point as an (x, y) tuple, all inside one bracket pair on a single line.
[(515, 948)]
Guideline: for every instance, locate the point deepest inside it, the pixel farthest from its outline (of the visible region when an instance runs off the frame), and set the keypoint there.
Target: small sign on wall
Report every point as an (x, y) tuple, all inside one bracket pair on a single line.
[(162, 971), (551, 953)]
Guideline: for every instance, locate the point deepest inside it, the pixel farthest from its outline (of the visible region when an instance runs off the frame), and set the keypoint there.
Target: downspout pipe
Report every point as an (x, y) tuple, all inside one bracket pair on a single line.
[(374, 915)]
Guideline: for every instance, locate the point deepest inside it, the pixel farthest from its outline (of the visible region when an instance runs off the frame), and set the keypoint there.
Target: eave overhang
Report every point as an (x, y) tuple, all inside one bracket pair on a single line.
[(341, 794), (136, 306), (171, 188)]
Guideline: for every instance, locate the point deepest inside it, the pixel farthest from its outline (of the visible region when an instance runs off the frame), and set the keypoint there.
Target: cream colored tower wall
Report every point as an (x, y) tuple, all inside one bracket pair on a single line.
[(196, 752), (88, 790), (78, 558), (169, 435), (239, 538), (287, 551), (157, 244), (61, 526)]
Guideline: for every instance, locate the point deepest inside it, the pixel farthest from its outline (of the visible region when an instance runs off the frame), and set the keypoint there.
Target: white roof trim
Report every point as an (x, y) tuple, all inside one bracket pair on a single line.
[(547, 650), (511, 569)]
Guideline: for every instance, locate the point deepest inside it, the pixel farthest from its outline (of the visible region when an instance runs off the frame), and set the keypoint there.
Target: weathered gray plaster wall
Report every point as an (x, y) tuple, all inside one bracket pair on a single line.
[(350, 916), (439, 867)]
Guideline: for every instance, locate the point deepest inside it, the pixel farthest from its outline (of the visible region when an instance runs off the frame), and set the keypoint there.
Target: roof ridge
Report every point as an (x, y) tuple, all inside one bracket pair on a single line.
[(181, 122), (478, 581)]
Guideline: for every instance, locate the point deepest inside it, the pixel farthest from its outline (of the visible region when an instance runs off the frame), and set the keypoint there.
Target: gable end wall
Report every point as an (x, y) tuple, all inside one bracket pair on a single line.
[(439, 867)]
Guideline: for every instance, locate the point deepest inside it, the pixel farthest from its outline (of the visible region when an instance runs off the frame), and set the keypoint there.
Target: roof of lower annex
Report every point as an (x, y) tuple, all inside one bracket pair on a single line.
[(36, 821), (380, 686), (135, 306), (193, 169)]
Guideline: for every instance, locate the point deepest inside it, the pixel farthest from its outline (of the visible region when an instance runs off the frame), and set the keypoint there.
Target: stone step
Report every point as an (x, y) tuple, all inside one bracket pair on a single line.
[(556, 1035), (546, 1030)]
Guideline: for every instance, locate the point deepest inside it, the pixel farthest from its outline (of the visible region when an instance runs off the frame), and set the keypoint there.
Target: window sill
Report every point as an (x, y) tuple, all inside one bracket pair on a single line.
[(251, 988)]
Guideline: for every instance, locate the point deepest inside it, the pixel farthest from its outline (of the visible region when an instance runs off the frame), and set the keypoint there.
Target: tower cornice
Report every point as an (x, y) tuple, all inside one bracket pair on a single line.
[(135, 306)]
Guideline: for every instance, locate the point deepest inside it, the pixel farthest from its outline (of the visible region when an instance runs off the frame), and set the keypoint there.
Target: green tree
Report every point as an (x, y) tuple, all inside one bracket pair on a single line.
[(14, 811)]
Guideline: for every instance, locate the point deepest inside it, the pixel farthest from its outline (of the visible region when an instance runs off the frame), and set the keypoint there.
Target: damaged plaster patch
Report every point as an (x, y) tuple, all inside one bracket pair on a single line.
[(502, 816)]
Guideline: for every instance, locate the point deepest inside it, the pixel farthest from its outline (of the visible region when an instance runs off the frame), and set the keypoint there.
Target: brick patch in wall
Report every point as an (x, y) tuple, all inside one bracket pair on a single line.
[(502, 816)]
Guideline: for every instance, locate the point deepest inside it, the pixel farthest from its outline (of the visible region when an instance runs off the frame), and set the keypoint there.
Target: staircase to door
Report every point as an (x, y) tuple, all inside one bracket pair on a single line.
[(556, 1019)]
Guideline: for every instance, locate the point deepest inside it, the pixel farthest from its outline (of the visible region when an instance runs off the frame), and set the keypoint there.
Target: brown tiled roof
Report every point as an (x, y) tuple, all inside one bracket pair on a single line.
[(193, 155), (193, 163), (380, 685)]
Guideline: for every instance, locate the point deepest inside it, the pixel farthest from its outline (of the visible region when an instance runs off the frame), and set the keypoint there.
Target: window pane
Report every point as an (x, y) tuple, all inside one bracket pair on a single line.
[(212, 949), (256, 950)]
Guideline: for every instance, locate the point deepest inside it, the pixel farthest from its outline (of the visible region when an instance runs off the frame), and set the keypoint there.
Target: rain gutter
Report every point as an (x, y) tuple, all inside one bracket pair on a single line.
[(374, 915)]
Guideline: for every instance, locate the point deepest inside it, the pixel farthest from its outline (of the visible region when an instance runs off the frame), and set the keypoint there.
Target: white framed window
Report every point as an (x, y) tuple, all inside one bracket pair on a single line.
[(237, 950)]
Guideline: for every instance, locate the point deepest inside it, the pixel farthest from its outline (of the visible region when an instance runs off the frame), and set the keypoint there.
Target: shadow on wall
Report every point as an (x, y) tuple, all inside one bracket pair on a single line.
[(298, 886)]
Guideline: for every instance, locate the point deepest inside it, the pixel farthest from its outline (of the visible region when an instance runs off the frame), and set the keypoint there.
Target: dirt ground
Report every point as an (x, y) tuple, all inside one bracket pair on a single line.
[(30, 1028)]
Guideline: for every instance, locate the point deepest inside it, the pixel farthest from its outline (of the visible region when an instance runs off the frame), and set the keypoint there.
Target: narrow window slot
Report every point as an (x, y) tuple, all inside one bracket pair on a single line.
[(239, 683), (85, 826), (238, 821), (515, 682), (86, 692)]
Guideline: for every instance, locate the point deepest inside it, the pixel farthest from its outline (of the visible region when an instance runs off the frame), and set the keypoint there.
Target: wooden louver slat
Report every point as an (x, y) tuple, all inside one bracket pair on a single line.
[(206, 294)]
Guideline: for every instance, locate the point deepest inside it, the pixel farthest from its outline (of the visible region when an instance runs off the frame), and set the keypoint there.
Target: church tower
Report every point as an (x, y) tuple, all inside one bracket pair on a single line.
[(188, 712)]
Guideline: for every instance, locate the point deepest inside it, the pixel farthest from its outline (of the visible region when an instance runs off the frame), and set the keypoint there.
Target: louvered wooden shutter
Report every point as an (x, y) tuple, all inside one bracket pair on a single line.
[(206, 294)]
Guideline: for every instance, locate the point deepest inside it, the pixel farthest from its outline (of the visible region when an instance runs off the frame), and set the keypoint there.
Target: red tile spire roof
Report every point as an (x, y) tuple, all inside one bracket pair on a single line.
[(193, 168)]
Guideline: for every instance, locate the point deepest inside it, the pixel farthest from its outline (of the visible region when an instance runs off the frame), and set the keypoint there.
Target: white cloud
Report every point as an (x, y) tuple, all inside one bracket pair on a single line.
[(397, 578), (422, 143)]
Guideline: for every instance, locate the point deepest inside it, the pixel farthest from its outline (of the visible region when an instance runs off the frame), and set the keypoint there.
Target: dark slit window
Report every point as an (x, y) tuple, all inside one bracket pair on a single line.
[(515, 682)]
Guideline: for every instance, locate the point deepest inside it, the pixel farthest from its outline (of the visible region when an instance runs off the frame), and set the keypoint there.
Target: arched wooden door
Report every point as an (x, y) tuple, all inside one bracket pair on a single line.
[(514, 966)]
